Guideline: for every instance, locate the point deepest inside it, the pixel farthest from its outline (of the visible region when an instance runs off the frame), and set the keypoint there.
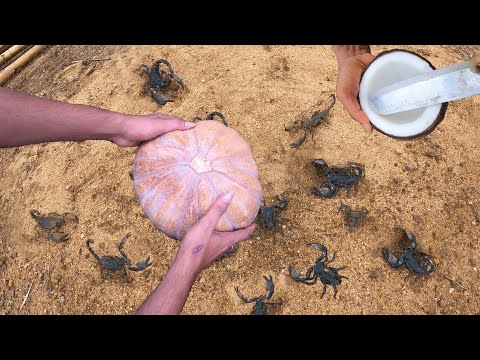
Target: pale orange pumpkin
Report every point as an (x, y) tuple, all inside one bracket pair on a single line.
[(180, 174)]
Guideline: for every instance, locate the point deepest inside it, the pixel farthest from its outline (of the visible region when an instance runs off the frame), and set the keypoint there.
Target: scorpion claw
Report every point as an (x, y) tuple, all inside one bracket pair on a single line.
[(58, 237), (300, 141), (320, 247), (160, 99), (294, 273), (141, 265), (269, 286)]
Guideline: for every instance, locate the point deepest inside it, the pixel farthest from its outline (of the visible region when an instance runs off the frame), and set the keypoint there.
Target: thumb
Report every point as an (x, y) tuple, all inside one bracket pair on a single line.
[(231, 238), (218, 208), (362, 118), (353, 107)]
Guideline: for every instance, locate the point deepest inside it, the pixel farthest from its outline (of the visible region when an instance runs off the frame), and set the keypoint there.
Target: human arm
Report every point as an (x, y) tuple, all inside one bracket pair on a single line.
[(27, 119), (201, 246), (352, 62)]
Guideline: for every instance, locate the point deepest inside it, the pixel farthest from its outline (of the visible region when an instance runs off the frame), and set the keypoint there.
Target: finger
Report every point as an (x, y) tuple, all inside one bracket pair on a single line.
[(234, 237), (229, 239), (353, 107), (210, 219), (163, 117), (166, 125)]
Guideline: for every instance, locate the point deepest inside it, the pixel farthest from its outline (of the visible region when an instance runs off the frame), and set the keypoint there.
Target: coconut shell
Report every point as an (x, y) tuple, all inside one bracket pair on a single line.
[(441, 114)]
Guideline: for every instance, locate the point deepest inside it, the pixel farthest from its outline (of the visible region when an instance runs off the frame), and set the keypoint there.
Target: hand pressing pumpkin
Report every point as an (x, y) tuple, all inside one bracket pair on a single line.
[(199, 248), (202, 244), (179, 175)]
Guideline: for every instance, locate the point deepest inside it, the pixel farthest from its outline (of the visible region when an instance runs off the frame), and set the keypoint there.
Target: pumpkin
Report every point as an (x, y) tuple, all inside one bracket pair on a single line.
[(179, 175)]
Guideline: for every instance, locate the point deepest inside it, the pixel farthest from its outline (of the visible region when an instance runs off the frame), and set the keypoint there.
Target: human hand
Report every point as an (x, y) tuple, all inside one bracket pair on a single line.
[(352, 62), (202, 244), (138, 128)]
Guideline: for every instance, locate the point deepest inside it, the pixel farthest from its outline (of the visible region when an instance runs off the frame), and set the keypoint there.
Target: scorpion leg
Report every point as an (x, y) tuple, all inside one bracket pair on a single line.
[(312, 282), (146, 87), (324, 291), (334, 291)]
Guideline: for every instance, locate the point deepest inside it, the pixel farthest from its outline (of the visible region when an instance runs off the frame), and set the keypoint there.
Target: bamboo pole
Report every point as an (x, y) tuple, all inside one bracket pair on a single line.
[(7, 55), (3, 48), (21, 61)]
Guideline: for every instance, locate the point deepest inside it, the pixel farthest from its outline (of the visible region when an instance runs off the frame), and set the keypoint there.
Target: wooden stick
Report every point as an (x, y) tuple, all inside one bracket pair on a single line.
[(26, 296), (14, 50), (454, 281), (21, 61), (90, 60)]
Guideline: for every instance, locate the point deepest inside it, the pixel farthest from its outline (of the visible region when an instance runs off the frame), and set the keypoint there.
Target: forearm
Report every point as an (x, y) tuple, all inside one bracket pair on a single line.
[(343, 52), (26, 119), (171, 294)]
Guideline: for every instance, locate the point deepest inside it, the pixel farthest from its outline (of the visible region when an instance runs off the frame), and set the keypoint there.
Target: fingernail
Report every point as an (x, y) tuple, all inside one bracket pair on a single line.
[(189, 124), (367, 130), (228, 197)]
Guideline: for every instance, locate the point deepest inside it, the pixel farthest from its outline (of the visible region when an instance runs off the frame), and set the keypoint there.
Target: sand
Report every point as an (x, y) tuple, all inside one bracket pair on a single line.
[(428, 186)]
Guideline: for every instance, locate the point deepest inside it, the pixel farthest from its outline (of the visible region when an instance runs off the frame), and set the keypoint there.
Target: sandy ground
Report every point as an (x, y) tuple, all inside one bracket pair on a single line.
[(428, 186)]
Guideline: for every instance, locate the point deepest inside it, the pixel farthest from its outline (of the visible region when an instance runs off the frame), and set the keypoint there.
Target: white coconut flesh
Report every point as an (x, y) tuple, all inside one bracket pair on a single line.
[(389, 69)]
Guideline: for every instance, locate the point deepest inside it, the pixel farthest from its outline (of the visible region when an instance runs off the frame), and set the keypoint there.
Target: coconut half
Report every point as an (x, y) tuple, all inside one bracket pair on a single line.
[(390, 67)]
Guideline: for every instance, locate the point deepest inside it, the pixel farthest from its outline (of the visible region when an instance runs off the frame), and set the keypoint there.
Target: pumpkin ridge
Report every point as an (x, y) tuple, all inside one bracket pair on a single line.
[(150, 159), (233, 180), (157, 179), (171, 142), (145, 174), (173, 200), (253, 172), (210, 148), (156, 204), (166, 192), (181, 215)]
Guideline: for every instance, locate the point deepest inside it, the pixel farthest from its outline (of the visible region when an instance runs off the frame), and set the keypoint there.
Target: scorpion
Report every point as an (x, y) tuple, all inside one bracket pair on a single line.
[(52, 223), (309, 125), (260, 307), (269, 214), (408, 256), (327, 275), (115, 263), (352, 217), (211, 117), (159, 80), (345, 177)]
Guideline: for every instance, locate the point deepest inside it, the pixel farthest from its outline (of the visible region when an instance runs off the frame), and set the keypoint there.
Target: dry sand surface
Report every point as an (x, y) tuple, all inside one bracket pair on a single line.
[(428, 186)]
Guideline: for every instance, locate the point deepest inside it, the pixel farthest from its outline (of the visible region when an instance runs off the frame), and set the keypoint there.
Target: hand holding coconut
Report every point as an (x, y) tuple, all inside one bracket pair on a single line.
[(352, 62)]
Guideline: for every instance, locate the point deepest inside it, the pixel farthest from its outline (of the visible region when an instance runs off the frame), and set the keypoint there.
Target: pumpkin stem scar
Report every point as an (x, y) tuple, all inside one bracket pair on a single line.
[(197, 249), (200, 164)]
